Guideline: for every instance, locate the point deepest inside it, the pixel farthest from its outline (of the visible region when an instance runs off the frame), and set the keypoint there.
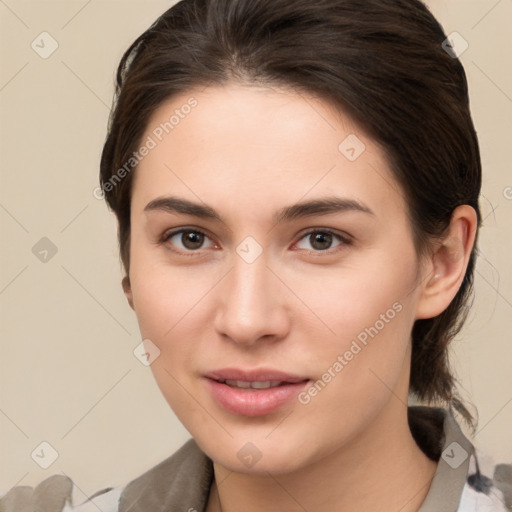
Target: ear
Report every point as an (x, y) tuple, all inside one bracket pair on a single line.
[(445, 268), (127, 288)]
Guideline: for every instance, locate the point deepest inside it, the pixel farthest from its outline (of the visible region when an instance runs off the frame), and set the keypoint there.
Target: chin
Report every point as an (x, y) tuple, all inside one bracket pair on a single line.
[(257, 454)]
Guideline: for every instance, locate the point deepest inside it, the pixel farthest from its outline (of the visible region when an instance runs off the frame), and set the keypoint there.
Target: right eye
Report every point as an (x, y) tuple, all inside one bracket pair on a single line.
[(186, 240)]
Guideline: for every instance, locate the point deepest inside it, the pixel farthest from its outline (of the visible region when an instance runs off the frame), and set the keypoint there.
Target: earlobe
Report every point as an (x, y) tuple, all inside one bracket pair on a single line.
[(127, 288), (447, 265)]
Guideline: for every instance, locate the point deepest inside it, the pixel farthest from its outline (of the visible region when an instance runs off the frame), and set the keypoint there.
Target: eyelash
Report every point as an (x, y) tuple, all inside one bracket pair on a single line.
[(345, 240)]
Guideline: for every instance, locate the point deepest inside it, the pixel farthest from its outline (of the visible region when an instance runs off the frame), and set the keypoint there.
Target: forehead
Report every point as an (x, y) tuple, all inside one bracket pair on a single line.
[(264, 147)]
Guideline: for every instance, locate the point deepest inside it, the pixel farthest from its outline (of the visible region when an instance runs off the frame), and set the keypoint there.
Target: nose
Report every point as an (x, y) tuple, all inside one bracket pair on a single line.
[(252, 304)]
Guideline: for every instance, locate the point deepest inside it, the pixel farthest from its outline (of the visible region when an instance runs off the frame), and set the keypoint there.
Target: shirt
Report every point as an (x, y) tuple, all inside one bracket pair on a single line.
[(182, 482)]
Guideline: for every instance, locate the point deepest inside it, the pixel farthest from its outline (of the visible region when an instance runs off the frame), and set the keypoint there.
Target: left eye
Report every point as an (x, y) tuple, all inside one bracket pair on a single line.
[(321, 240)]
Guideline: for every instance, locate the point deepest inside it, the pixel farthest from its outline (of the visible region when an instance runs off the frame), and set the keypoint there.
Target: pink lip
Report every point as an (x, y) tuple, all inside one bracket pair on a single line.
[(253, 402)]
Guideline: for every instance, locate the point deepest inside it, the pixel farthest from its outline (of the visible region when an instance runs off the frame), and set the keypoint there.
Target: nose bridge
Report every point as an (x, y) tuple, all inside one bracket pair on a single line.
[(251, 304), (250, 282)]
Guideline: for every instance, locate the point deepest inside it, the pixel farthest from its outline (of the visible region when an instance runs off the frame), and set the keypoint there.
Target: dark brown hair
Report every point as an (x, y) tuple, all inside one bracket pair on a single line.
[(380, 61)]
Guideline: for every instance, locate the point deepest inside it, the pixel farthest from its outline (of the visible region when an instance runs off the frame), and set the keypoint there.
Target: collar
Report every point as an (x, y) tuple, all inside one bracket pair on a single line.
[(453, 456)]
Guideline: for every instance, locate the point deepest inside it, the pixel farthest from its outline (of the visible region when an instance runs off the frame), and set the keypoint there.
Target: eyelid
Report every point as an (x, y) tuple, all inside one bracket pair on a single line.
[(170, 233), (344, 238)]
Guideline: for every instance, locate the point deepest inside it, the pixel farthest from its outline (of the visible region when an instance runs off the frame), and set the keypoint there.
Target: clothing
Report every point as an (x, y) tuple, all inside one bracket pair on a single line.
[(182, 481)]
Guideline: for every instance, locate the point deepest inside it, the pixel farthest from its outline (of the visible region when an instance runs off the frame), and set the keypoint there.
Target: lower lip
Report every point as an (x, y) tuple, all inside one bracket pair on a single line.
[(253, 402)]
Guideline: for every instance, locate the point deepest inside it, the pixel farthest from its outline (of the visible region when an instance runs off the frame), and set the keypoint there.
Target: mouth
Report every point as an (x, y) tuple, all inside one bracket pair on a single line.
[(262, 375), (253, 393), (243, 384)]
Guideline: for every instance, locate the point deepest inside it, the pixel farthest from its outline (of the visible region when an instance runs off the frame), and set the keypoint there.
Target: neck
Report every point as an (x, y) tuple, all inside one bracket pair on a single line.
[(382, 469)]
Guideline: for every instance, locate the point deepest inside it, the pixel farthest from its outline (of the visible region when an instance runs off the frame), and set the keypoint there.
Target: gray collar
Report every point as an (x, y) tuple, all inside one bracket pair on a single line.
[(452, 469)]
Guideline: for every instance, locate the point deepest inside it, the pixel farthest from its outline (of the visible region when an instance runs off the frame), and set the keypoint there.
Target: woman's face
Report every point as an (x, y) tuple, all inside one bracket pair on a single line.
[(310, 331)]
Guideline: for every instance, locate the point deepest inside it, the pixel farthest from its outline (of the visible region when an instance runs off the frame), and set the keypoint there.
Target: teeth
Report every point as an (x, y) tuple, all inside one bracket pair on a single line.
[(254, 385)]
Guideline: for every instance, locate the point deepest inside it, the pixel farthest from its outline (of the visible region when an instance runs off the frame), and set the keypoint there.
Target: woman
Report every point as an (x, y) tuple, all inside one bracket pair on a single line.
[(296, 186)]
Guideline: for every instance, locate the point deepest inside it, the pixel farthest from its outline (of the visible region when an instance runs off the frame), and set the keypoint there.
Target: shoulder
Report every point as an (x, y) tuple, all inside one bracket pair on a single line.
[(466, 479), (182, 481), (55, 494), (488, 486)]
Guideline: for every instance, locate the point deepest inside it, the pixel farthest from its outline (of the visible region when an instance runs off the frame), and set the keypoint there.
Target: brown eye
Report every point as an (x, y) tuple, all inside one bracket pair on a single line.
[(192, 240), (321, 240), (187, 240)]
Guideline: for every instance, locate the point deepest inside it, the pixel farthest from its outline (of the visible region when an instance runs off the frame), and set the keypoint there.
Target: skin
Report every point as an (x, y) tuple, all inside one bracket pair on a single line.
[(247, 152)]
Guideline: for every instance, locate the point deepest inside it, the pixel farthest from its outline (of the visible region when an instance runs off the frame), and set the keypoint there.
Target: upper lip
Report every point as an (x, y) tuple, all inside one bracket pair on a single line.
[(255, 375)]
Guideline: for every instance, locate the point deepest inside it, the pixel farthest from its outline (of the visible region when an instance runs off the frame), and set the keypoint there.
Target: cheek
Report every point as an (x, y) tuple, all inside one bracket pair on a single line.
[(375, 294), (369, 312), (167, 302), (170, 304), (165, 295)]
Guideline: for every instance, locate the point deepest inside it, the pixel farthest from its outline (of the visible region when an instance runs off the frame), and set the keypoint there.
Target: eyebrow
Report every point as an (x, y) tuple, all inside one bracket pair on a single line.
[(320, 206)]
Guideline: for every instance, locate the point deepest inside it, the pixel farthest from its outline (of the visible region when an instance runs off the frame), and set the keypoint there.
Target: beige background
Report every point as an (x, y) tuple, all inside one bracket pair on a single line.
[(67, 369)]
